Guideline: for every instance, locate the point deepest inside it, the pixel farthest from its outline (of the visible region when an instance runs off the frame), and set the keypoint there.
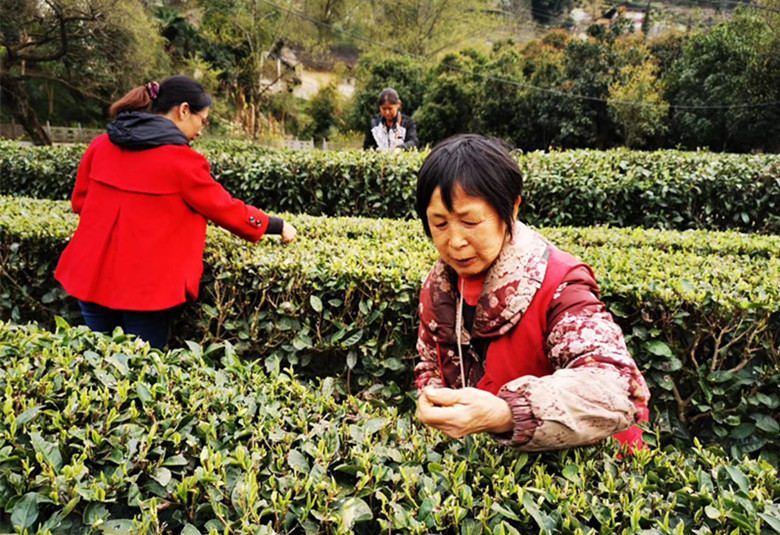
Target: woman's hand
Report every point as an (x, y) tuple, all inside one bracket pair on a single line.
[(457, 413), (288, 233)]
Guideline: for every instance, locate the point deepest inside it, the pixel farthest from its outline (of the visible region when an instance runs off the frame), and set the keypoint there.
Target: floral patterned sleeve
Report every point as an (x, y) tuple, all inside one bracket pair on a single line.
[(596, 390), (427, 370)]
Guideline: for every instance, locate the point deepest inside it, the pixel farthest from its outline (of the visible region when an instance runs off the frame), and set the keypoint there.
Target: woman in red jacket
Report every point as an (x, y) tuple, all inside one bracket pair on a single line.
[(513, 339), (144, 198)]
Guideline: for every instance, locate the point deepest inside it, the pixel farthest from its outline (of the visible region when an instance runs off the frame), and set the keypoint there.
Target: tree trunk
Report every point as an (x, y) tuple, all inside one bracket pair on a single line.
[(13, 90)]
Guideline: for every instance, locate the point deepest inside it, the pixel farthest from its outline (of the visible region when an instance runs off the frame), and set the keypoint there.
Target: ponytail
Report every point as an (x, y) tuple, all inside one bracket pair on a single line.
[(161, 98), (136, 99)]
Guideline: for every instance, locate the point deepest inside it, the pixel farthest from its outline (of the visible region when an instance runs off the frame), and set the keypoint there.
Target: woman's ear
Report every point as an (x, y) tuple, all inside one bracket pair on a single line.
[(516, 209), (182, 110)]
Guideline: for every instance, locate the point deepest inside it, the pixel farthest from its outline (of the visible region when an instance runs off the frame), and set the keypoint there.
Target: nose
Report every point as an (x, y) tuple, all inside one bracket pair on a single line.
[(457, 239)]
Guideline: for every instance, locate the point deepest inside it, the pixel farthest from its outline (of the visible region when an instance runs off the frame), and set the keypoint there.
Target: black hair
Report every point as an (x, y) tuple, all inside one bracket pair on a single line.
[(171, 92), (483, 167), (178, 89), (389, 95)]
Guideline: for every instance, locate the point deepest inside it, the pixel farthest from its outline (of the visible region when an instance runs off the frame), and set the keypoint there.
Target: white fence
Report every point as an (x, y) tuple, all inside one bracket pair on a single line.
[(77, 134), (58, 134)]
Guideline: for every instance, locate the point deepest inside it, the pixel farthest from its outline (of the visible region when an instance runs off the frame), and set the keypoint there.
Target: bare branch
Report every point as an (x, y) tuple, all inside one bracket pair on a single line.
[(69, 85)]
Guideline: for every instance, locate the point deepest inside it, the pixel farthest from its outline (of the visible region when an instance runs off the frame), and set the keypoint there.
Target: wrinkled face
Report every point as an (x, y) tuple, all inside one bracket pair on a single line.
[(470, 237), (389, 111)]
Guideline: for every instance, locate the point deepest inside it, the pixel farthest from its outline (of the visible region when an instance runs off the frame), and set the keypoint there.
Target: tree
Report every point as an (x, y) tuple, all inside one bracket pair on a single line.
[(325, 110), (93, 48), (375, 72), (449, 102), (726, 85), (636, 104), (547, 116), (238, 34), (497, 103), (427, 27)]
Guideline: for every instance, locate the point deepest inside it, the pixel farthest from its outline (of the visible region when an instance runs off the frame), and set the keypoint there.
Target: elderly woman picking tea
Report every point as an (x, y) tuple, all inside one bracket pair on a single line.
[(513, 338)]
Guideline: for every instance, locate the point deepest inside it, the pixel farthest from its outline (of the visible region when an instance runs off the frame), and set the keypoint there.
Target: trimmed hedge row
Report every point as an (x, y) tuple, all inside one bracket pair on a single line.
[(700, 309), (101, 434), (663, 189)]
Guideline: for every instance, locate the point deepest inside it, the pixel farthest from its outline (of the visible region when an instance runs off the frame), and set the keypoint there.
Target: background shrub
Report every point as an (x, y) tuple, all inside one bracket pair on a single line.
[(663, 189), (102, 433), (700, 309)]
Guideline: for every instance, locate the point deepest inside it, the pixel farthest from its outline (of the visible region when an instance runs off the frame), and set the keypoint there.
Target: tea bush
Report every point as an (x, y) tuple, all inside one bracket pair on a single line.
[(699, 309), (663, 189), (101, 434)]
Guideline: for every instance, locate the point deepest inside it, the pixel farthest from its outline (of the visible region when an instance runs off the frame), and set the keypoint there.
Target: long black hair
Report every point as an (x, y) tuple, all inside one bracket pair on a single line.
[(162, 97)]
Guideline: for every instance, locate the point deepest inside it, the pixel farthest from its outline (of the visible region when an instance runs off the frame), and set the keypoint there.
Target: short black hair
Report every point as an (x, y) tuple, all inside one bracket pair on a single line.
[(483, 167), (389, 95)]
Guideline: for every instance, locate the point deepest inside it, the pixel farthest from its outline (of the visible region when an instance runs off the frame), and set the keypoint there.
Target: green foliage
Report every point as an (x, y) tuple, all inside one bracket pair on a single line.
[(428, 27), (664, 189), (448, 104), (736, 64), (99, 432), (605, 91), (700, 309), (326, 110), (91, 50), (498, 105), (668, 48), (546, 118), (636, 105), (550, 92)]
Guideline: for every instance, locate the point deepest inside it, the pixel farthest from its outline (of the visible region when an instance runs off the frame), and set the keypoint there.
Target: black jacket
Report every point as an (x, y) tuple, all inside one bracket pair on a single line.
[(379, 136), (136, 130)]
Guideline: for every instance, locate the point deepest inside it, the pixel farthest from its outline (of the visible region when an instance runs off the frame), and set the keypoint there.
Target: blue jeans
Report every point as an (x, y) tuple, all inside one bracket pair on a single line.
[(152, 326)]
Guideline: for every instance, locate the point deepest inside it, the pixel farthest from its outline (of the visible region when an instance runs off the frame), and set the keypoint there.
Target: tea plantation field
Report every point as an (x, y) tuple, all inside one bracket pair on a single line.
[(285, 403)]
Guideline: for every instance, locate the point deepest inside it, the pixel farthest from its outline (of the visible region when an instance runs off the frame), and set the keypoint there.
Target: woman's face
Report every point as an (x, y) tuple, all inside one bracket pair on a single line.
[(190, 123), (198, 121), (389, 111), (470, 237)]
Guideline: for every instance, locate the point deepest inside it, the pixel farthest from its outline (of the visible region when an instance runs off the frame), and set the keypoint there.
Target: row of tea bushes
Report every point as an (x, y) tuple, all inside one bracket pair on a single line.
[(101, 434), (700, 309), (664, 189)]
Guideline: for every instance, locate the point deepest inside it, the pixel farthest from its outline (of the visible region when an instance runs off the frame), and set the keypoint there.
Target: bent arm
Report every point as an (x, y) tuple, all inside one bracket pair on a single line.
[(369, 142), (410, 140), (596, 390), (207, 197), (427, 371)]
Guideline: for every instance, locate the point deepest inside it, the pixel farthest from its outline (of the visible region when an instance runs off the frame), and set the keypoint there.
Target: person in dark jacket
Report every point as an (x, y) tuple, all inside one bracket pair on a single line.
[(392, 130), (144, 197)]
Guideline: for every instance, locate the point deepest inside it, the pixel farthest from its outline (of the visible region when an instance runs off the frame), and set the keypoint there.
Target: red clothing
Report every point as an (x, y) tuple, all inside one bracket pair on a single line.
[(504, 362), (140, 240), (555, 355)]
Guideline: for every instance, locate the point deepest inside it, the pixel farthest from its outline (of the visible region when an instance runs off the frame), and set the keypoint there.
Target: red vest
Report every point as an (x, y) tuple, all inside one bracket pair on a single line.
[(521, 351)]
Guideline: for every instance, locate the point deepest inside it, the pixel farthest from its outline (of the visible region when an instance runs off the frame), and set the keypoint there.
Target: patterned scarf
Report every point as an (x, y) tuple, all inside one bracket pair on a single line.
[(510, 285)]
